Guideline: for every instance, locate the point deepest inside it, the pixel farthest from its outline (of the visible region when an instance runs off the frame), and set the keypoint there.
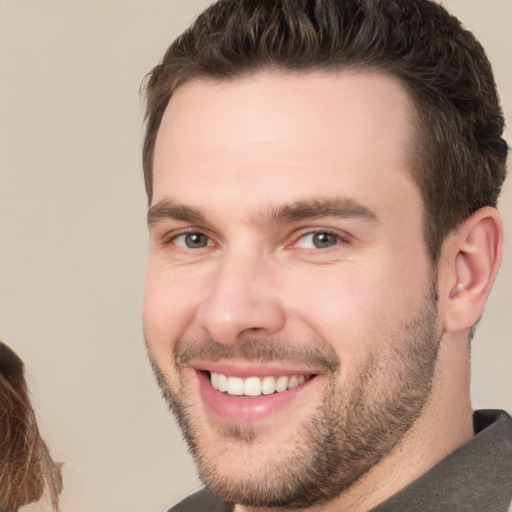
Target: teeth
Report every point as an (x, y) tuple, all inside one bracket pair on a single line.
[(235, 386), (294, 382), (282, 384), (268, 385), (222, 382), (254, 386)]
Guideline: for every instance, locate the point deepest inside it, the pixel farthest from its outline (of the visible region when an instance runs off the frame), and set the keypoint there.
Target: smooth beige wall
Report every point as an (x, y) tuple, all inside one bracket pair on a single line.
[(73, 239)]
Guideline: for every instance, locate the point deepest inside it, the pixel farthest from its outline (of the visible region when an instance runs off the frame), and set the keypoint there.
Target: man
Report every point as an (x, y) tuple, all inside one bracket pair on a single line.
[(322, 180)]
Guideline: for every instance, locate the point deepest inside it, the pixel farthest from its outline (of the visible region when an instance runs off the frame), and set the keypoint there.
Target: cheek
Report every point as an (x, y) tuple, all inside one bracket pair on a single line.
[(165, 315), (339, 306), (352, 306), (168, 307)]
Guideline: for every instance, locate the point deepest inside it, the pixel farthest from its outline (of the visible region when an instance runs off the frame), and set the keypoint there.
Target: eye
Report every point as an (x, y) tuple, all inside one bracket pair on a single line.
[(192, 241), (318, 240)]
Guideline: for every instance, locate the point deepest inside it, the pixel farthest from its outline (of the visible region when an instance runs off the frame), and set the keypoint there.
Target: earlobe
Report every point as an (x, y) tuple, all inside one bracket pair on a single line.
[(473, 256)]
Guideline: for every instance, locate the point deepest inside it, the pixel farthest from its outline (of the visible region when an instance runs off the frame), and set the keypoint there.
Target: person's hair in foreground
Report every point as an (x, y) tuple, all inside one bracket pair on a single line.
[(26, 466), (460, 155)]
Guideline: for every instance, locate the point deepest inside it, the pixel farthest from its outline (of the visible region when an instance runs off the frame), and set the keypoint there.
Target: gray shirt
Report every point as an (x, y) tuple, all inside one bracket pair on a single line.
[(477, 476)]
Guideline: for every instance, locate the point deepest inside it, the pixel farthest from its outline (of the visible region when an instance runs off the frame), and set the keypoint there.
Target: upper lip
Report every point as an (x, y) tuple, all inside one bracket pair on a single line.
[(245, 369)]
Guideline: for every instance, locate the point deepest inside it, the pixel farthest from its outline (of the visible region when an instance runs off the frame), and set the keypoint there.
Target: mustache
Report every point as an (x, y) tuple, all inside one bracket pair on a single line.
[(257, 350)]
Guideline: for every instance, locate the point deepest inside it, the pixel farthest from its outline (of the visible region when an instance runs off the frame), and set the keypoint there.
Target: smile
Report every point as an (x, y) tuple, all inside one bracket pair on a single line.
[(238, 392), (255, 386)]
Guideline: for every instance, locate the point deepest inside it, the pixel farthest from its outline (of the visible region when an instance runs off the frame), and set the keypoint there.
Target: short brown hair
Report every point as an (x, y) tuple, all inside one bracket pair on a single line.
[(461, 157)]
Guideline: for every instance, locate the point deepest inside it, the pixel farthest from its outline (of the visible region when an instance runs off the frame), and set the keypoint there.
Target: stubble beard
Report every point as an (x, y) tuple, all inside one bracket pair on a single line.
[(351, 430)]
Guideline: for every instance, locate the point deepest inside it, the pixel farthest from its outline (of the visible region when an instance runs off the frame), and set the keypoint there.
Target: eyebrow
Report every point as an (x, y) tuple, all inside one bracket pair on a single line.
[(299, 210), (170, 210), (320, 207)]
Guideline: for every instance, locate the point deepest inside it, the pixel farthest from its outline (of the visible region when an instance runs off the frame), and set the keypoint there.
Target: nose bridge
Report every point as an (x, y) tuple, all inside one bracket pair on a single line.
[(240, 299)]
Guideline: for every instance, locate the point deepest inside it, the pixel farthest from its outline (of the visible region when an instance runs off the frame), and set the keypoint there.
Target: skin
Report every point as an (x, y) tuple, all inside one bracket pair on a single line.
[(228, 156)]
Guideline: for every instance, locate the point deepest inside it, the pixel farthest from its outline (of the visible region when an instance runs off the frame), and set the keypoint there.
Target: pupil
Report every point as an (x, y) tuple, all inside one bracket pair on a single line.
[(195, 240)]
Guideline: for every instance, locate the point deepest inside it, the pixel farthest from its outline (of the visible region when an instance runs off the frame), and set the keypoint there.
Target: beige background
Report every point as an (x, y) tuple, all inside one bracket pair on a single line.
[(73, 239)]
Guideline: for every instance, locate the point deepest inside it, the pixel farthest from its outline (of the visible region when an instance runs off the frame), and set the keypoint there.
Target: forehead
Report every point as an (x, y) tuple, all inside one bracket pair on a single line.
[(285, 131)]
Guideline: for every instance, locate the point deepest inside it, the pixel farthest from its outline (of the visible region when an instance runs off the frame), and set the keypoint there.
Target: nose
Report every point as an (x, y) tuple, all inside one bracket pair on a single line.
[(240, 302)]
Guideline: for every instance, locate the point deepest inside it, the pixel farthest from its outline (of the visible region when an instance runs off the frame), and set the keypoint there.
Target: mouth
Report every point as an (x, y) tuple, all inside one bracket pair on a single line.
[(246, 394), (255, 386)]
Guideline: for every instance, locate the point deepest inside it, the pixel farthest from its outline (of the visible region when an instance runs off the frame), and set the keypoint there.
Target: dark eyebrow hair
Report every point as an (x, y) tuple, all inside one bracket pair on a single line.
[(296, 211), (320, 207), (168, 209)]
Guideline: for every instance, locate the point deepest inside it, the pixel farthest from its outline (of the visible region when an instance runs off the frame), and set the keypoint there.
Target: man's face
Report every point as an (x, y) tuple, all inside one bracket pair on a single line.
[(290, 308)]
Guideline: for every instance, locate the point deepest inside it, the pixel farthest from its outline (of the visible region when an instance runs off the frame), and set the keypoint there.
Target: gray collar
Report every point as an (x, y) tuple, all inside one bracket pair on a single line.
[(477, 476)]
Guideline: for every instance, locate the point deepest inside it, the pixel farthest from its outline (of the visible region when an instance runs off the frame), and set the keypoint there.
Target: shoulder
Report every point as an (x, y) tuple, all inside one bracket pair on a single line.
[(202, 501)]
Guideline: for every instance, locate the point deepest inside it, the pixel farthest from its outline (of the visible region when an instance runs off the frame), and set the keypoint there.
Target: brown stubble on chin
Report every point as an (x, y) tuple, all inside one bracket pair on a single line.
[(241, 434)]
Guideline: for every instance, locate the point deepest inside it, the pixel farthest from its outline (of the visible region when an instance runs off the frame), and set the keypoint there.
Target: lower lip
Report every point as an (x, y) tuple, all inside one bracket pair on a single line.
[(244, 409)]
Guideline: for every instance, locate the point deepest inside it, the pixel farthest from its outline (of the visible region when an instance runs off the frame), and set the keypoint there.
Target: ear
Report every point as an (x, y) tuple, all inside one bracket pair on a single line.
[(471, 259)]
